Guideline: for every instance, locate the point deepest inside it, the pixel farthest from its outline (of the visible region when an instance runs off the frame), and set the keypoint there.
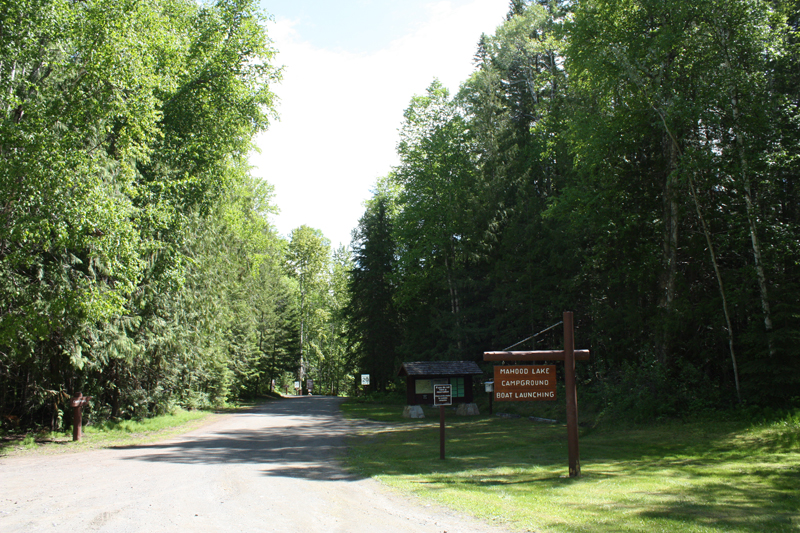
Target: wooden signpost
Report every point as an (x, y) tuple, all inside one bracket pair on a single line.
[(529, 385), (77, 403), (442, 396)]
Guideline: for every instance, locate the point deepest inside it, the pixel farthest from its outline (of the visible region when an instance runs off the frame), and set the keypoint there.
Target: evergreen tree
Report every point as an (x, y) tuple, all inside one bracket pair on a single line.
[(371, 313)]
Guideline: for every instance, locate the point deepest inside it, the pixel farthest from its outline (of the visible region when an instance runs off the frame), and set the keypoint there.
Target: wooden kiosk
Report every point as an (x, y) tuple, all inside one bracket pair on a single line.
[(421, 376)]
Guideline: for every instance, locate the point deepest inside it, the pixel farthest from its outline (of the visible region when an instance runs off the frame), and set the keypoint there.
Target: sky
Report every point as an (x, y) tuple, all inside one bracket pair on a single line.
[(350, 69)]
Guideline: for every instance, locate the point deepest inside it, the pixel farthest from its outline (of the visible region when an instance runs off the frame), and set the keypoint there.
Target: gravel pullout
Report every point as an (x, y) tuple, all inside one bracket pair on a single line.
[(272, 468)]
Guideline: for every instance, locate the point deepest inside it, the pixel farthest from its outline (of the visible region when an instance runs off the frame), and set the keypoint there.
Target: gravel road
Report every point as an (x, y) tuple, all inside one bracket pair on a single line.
[(272, 468)]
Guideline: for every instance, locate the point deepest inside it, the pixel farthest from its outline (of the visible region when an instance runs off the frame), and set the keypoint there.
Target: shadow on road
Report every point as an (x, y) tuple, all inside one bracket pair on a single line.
[(295, 437)]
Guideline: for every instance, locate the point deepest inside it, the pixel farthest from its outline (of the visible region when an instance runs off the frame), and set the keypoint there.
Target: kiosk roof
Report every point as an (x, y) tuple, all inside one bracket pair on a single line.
[(439, 368)]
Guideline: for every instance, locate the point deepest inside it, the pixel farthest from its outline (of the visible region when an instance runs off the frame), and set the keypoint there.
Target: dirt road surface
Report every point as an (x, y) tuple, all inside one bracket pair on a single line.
[(272, 469)]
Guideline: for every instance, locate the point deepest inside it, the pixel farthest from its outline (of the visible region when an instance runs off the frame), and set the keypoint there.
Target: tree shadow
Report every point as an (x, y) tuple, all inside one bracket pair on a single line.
[(721, 482), (734, 504), (308, 447)]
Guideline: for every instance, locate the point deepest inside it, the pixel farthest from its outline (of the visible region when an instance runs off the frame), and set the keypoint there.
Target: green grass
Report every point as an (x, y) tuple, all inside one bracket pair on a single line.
[(117, 433), (105, 434), (701, 476), (124, 429)]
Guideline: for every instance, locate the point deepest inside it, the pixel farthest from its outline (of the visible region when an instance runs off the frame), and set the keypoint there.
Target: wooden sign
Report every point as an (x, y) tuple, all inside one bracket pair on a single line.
[(525, 383), (80, 402), (569, 355), (77, 403), (442, 394)]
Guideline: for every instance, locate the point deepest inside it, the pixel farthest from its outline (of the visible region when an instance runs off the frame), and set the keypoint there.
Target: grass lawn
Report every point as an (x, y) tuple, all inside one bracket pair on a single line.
[(697, 476), (107, 434)]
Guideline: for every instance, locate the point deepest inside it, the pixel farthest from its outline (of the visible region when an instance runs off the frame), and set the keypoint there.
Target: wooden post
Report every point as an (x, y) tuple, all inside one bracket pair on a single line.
[(572, 396), (77, 405), (441, 432)]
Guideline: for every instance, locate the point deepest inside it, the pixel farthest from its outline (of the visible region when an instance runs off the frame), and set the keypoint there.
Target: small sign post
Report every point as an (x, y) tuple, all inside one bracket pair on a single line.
[(77, 403), (296, 388), (490, 389), (442, 396)]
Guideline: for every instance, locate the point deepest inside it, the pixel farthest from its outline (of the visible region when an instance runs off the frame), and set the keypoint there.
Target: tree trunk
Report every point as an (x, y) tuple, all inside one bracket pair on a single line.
[(719, 285), (751, 222), (669, 252), (454, 304), (115, 392), (710, 244), (302, 369)]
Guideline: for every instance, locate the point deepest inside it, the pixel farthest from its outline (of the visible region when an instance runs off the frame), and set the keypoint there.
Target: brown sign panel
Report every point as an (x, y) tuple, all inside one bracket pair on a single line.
[(442, 394), (525, 377), (519, 383), (525, 396)]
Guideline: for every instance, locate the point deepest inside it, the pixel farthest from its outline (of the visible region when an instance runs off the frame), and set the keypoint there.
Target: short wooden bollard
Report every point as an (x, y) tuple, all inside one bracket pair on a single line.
[(77, 403)]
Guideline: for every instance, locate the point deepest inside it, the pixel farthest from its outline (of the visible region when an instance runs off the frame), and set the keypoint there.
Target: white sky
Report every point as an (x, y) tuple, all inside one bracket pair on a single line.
[(351, 69)]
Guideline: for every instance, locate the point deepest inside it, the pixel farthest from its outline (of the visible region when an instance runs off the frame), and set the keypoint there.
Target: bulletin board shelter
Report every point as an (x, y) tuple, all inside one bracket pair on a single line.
[(421, 376)]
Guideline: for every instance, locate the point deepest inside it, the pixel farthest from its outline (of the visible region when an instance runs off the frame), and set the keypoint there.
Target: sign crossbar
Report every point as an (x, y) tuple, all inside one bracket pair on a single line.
[(537, 355)]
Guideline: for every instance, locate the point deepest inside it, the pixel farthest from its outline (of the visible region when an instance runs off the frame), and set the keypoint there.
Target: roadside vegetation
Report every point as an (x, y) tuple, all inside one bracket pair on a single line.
[(104, 433), (634, 162), (138, 262), (737, 471)]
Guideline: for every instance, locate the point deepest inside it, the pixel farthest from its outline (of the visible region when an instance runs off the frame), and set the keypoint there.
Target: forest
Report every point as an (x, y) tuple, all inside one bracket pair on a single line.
[(635, 162)]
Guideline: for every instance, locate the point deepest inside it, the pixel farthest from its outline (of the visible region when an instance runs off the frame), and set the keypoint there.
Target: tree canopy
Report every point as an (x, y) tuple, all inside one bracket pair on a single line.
[(138, 261), (633, 162)]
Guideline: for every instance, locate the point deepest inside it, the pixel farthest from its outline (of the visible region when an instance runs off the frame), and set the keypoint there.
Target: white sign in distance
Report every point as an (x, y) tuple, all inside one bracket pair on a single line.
[(365, 379), (296, 384), (442, 394)]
